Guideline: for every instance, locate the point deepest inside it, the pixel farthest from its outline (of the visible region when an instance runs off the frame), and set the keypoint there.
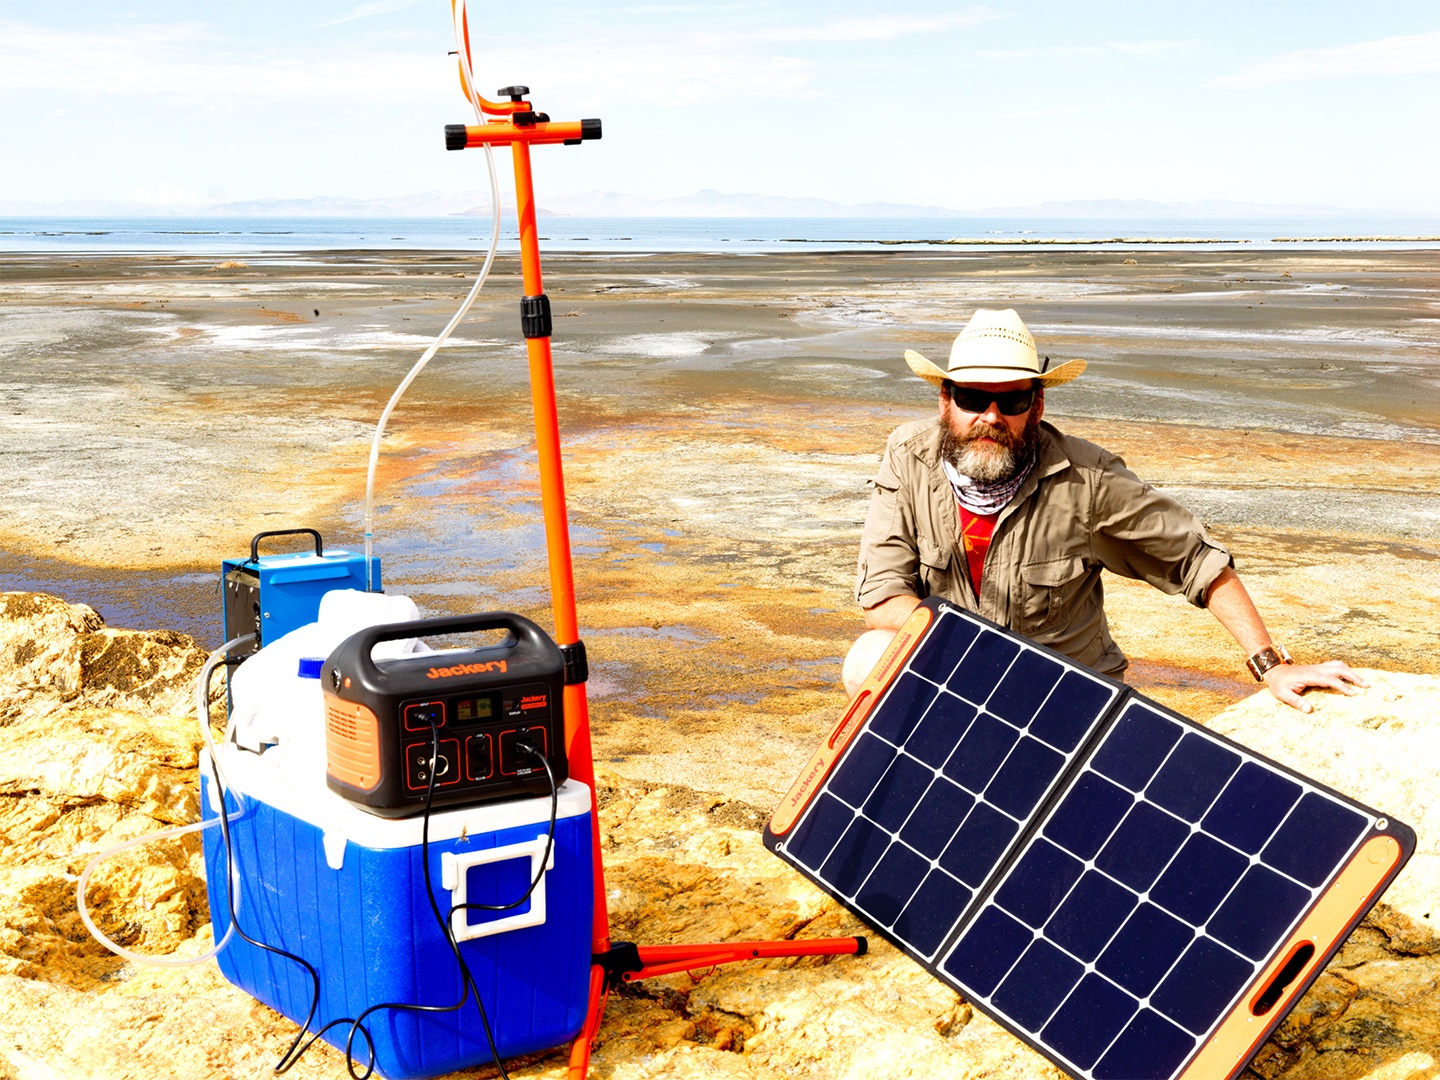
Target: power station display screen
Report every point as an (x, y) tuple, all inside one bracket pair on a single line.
[(473, 710)]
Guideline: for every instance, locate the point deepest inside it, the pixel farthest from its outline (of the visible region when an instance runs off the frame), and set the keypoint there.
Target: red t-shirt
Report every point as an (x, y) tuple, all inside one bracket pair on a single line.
[(976, 530)]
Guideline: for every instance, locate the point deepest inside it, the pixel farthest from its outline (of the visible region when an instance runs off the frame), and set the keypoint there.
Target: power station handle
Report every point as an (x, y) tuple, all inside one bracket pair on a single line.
[(522, 628), (255, 540)]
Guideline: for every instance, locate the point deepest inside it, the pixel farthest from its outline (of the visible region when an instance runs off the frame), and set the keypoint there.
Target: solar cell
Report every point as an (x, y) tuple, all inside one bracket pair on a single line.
[(930, 915), (1088, 815), (980, 753), (946, 722), (906, 705), (978, 845), (1198, 878), (1142, 846), (983, 665), (1102, 876), (1256, 801), (1313, 838), (937, 818)]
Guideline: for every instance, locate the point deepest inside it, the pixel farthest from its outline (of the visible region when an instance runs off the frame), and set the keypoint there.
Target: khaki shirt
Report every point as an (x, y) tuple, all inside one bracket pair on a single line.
[(1078, 512)]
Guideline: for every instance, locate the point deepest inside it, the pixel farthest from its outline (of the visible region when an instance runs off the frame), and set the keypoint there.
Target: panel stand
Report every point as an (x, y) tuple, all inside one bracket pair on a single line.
[(621, 962)]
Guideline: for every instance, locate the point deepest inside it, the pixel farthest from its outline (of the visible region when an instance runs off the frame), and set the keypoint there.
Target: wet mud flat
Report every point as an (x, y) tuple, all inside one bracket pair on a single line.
[(721, 415)]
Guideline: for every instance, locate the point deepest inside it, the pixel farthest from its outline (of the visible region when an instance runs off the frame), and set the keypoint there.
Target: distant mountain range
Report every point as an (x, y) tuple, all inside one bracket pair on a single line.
[(705, 203)]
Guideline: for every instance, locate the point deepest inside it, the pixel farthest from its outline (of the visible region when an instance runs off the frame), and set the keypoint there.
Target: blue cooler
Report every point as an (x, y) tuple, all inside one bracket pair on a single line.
[(345, 889)]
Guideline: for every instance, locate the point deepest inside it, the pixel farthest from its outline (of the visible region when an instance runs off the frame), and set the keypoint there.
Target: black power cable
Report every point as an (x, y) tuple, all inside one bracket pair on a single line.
[(467, 986), (295, 1051)]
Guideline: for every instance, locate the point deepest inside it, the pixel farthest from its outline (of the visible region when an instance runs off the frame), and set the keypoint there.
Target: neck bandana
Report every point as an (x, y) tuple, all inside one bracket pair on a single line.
[(981, 498)]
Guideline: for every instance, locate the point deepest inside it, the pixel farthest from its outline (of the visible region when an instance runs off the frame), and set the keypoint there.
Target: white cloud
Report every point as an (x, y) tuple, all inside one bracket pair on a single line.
[(679, 68), (694, 67), (186, 61), (674, 72), (878, 27), (1412, 54), (1064, 110), (1129, 48), (375, 7)]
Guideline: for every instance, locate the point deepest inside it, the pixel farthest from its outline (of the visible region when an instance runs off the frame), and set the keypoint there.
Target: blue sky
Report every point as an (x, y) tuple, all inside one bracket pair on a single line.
[(1303, 102)]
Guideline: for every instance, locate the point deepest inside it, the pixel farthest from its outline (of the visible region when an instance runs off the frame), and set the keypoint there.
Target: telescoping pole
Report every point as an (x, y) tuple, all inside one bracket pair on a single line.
[(520, 127), (519, 131)]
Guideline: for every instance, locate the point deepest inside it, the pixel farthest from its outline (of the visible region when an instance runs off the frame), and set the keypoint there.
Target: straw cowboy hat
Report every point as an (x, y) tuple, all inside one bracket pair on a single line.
[(994, 347)]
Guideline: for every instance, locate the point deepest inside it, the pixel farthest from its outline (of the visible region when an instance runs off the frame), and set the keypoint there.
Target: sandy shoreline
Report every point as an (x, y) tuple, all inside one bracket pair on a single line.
[(720, 415)]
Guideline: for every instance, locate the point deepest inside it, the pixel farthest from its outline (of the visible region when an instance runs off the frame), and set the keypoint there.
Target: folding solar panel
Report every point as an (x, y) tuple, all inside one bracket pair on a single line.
[(1127, 892)]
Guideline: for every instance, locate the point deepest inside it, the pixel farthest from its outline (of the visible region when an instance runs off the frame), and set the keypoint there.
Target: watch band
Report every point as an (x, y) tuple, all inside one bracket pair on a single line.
[(1266, 659)]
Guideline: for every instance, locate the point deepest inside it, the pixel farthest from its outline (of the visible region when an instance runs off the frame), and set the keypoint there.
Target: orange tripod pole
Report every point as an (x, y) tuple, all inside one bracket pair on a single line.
[(623, 962)]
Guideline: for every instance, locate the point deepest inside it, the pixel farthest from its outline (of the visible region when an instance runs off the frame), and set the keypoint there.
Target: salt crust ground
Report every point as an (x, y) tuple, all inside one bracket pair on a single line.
[(97, 745)]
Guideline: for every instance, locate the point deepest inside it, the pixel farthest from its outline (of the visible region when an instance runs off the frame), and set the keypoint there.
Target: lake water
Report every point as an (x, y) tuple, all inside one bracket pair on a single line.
[(222, 235)]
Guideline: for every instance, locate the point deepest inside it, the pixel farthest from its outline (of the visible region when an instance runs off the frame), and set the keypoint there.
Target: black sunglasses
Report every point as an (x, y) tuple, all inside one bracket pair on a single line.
[(1010, 402)]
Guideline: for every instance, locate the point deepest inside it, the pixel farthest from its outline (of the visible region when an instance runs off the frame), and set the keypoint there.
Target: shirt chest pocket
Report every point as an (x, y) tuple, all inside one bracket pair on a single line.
[(934, 565), (1051, 588)]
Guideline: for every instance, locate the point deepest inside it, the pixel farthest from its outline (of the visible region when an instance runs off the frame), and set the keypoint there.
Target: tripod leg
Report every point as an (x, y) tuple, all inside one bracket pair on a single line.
[(585, 1041)]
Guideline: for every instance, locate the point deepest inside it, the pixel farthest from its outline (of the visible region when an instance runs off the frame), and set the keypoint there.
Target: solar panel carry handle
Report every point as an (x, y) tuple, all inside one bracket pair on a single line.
[(871, 690), (1328, 924)]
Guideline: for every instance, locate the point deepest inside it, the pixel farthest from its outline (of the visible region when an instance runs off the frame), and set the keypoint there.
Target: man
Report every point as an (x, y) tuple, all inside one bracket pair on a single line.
[(1000, 513)]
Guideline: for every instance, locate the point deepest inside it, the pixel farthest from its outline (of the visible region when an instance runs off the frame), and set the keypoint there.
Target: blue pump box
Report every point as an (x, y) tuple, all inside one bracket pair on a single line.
[(270, 595), (345, 889)]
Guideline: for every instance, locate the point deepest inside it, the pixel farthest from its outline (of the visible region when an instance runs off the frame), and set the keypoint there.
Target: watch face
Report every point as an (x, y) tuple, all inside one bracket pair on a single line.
[(1266, 659)]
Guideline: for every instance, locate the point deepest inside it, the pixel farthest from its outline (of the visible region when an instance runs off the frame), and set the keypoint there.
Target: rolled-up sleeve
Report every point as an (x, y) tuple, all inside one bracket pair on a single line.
[(889, 563), (1143, 533)]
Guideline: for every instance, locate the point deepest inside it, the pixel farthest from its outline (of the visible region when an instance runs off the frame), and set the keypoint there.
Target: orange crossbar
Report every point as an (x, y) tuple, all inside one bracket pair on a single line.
[(501, 132)]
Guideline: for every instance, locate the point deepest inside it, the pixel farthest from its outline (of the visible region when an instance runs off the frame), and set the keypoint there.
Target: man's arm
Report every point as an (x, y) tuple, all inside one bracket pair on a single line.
[(1231, 604), (890, 614)]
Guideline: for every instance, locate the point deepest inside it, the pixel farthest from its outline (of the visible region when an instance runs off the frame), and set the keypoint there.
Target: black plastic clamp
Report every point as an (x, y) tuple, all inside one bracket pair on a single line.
[(514, 93), (535, 316), (589, 129), (577, 669), (621, 959)]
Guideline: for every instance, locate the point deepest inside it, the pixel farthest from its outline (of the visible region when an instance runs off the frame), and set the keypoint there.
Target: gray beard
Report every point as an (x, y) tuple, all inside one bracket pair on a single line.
[(989, 464)]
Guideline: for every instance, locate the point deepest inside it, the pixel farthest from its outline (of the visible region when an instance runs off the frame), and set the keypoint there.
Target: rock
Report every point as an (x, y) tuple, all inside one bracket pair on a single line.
[(98, 743), (96, 746), (52, 652)]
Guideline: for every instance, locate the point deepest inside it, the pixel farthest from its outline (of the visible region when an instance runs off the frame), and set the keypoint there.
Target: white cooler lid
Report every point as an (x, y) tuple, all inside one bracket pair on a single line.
[(251, 776)]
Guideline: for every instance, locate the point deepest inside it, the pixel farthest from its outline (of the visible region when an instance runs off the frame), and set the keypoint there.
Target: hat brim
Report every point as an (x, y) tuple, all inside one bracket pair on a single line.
[(1056, 376)]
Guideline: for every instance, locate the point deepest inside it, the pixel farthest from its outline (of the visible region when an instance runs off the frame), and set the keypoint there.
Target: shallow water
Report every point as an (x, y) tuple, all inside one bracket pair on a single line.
[(720, 416)]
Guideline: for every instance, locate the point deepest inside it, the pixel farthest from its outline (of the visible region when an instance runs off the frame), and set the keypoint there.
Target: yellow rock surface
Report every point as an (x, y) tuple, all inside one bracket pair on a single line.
[(93, 753)]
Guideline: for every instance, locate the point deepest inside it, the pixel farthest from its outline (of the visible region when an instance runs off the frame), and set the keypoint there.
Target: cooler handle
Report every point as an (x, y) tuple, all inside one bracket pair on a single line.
[(454, 872)]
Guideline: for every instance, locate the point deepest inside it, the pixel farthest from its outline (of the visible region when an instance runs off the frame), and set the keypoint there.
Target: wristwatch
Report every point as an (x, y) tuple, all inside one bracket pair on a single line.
[(1266, 659)]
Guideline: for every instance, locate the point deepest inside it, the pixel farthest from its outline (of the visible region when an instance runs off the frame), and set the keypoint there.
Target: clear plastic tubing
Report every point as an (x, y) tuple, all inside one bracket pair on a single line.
[(459, 15), (202, 710)]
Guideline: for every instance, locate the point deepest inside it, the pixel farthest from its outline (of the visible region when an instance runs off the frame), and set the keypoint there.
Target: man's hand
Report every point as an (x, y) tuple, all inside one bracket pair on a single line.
[(1287, 681), (1230, 603)]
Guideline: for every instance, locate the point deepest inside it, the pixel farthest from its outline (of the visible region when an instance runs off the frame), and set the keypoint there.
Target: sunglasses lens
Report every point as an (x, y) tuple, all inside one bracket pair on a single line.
[(1010, 402)]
